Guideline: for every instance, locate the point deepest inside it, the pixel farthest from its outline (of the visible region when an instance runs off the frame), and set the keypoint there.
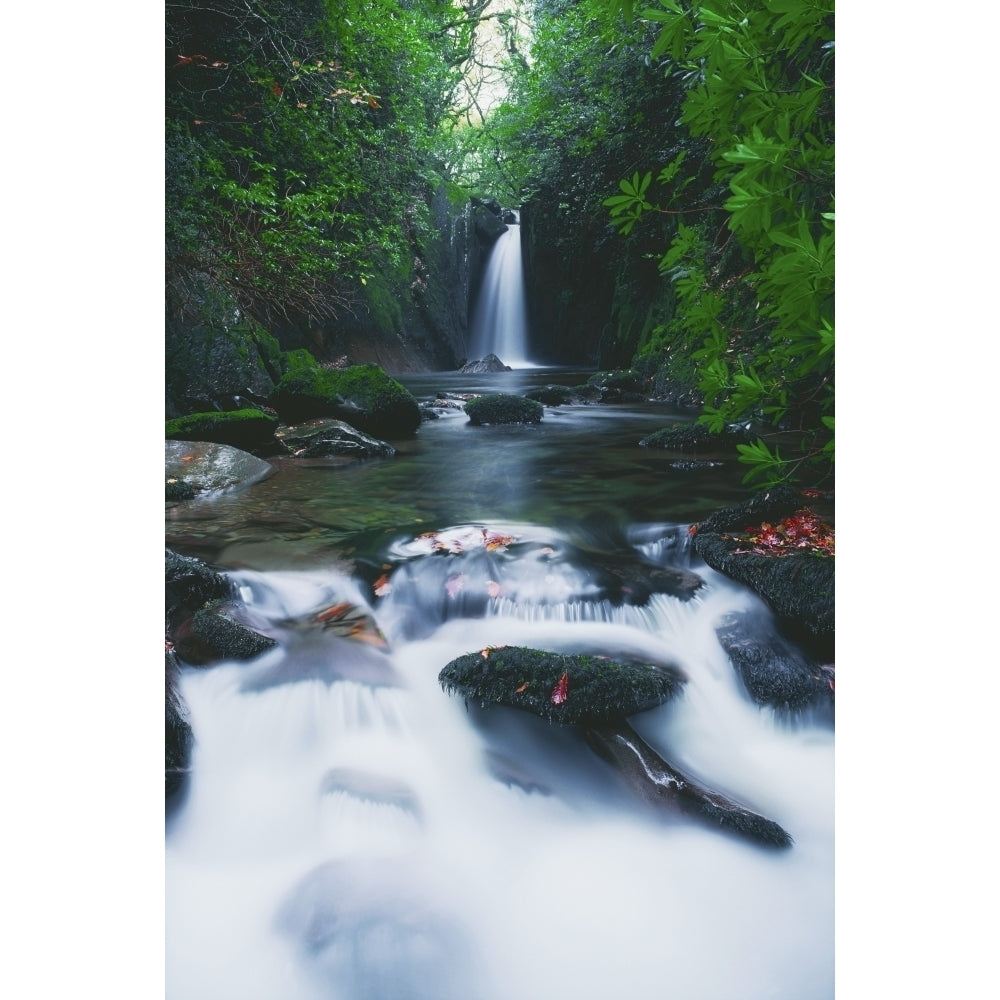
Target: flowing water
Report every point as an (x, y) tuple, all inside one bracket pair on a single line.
[(500, 322), (352, 832)]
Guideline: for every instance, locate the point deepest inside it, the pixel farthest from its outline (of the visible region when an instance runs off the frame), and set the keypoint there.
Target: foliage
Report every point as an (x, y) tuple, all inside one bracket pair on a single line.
[(802, 532), (755, 298), (300, 144)]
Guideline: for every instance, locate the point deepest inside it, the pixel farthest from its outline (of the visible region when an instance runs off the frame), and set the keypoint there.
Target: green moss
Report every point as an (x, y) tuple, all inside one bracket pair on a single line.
[(596, 688), (363, 395), (299, 360), (501, 408), (241, 428)]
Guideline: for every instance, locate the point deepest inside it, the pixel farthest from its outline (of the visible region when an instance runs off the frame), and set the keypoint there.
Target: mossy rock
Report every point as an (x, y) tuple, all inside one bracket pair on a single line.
[(246, 428), (362, 395), (690, 438), (551, 395), (596, 689), (502, 408), (293, 361)]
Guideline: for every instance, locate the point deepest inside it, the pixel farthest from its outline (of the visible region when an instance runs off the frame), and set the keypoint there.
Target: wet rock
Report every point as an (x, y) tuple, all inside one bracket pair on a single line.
[(197, 467), (178, 736), (775, 672), (362, 395), (327, 438), (248, 428), (691, 438), (491, 363), (799, 588), (190, 584), (502, 408), (213, 634)]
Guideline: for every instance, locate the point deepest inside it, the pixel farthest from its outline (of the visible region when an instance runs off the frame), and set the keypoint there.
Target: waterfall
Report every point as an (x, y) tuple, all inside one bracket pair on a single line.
[(500, 324)]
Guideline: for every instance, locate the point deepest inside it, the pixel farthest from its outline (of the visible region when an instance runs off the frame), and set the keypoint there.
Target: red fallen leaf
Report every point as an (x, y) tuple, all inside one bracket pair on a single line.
[(186, 458), (276, 89), (693, 530), (187, 60), (812, 493), (521, 689), (382, 585), (333, 612), (561, 691), (454, 584)]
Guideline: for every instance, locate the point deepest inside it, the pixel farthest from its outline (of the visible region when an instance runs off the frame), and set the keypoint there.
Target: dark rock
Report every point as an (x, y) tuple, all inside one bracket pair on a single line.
[(248, 428), (598, 688), (205, 467), (552, 395), (695, 437), (491, 363), (323, 438), (798, 587), (362, 395), (772, 504), (501, 408), (597, 694), (190, 584), (774, 671), (212, 634), (178, 737)]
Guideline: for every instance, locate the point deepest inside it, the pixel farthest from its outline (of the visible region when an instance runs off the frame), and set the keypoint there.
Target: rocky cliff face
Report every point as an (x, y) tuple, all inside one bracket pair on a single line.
[(413, 316)]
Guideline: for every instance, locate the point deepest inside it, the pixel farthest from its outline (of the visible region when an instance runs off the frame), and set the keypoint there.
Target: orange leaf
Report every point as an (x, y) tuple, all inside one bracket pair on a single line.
[(522, 688), (382, 585), (333, 612)]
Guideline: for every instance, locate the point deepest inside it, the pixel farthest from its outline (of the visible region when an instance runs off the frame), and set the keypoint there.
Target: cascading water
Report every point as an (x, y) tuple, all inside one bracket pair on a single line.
[(351, 832), (500, 322)]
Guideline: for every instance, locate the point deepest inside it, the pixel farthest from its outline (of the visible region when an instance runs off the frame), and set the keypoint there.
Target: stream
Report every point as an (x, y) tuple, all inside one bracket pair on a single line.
[(350, 831)]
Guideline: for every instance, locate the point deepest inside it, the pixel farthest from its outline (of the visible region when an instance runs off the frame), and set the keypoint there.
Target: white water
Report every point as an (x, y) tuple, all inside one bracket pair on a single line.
[(289, 878), (500, 323)]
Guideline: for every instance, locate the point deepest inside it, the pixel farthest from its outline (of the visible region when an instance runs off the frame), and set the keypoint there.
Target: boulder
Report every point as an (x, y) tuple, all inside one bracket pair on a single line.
[(690, 438), (484, 366), (248, 428), (797, 585), (323, 438), (502, 408), (198, 467), (774, 671), (362, 395)]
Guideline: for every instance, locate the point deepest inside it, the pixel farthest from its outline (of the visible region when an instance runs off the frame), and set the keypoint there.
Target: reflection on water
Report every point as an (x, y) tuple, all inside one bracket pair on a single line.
[(581, 464)]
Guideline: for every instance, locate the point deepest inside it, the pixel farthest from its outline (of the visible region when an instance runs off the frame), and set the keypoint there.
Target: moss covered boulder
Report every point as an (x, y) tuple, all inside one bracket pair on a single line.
[(247, 428), (502, 408), (692, 438), (559, 687), (362, 395)]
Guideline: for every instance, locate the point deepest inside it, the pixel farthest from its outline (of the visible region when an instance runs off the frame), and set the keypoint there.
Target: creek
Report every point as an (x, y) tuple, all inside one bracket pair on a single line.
[(352, 832)]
